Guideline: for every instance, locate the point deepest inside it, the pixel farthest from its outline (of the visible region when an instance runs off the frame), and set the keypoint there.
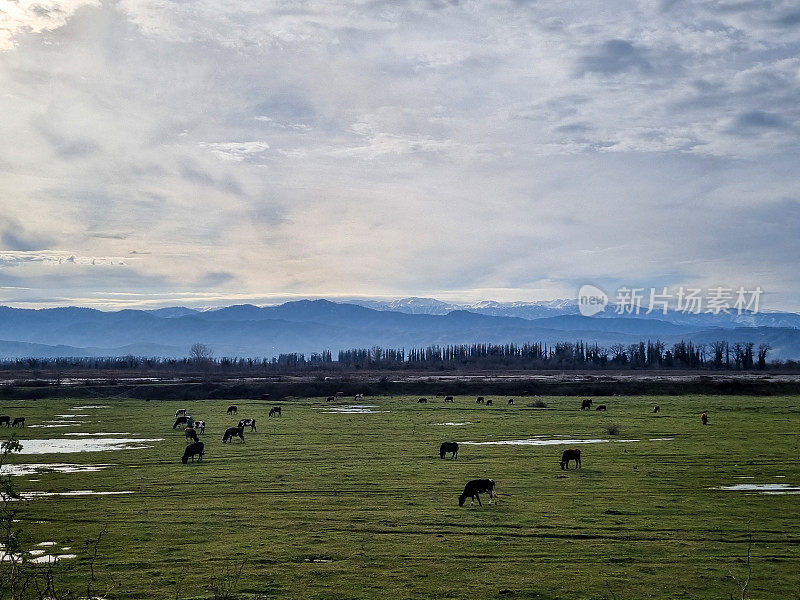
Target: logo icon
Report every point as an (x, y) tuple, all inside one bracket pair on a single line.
[(591, 300)]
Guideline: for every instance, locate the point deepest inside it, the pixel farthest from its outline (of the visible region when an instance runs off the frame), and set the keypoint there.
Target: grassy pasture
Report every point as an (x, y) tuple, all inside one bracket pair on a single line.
[(324, 505)]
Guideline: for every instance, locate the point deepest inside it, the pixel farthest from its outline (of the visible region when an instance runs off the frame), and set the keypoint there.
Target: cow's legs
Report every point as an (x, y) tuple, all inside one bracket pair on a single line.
[(478, 496)]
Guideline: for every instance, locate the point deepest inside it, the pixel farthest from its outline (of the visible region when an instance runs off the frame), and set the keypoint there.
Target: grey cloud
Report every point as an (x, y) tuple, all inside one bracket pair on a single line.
[(614, 56), (755, 121)]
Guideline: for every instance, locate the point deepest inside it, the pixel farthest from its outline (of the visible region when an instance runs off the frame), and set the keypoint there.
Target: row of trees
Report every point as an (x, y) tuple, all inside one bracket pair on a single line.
[(532, 356)]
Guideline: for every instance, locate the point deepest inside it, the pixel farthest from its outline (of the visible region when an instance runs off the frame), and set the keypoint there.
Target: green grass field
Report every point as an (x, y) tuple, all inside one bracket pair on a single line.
[(322, 505)]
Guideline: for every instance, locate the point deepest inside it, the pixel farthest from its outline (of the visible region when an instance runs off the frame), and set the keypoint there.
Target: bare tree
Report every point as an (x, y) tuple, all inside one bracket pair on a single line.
[(200, 353)]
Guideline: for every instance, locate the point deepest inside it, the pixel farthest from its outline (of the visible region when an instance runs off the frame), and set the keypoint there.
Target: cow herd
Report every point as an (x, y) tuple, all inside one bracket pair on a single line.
[(196, 448), (6, 421), (473, 488)]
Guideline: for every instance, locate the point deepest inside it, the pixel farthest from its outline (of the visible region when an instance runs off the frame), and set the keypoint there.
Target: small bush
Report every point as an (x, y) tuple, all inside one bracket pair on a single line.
[(612, 429), (540, 404)]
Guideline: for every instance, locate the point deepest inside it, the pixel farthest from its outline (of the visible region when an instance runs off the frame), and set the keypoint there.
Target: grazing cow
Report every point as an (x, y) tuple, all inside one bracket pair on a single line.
[(233, 409), (511, 401), (200, 426), (275, 411), (190, 434), (185, 421), (489, 402), (703, 418), (586, 404), (474, 488), (251, 423), (448, 399), (232, 432), (193, 449), (330, 399), (5, 420), (18, 422), (601, 407), (480, 400), (439, 394), (569, 455), (448, 447), (422, 401), (656, 409), (180, 412)]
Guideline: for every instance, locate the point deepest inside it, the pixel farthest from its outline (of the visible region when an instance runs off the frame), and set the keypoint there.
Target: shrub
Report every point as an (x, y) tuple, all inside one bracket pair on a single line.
[(612, 429), (540, 404)]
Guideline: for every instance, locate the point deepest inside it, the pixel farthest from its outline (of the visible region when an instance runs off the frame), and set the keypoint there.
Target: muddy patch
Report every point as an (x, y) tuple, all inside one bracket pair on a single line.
[(68, 445)]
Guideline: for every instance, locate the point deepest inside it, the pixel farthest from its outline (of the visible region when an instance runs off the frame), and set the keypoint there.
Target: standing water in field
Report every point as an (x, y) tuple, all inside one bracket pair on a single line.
[(354, 409), (761, 488), (65, 446)]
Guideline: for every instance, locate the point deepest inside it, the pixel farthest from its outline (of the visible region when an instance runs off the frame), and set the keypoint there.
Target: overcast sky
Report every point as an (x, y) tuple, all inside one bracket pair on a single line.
[(158, 152)]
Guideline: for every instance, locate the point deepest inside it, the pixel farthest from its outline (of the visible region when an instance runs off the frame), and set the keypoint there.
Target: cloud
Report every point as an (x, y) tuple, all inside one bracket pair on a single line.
[(378, 148), (614, 56)]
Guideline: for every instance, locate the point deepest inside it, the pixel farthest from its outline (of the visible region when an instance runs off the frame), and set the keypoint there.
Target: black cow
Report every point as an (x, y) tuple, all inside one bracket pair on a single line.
[(703, 418), (586, 404), (5, 420), (601, 407), (448, 399), (511, 401), (656, 409), (422, 401), (193, 449), (569, 455), (190, 434), (275, 411), (18, 422), (232, 409), (489, 402), (448, 447), (186, 421), (480, 400), (232, 432), (330, 399), (474, 488)]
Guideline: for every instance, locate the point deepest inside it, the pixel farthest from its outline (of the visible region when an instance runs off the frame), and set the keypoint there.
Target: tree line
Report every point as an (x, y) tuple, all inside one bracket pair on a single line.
[(719, 355)]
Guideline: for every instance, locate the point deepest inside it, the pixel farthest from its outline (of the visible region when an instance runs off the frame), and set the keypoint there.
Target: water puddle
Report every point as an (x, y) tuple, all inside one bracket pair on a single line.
[(99, 433), (761, 488), (88, 406), (355, 409), (34, 469), (50, 426), (542, 441), (72, 416), (44, 555), (454, 424), (65, 446), (32, 495)]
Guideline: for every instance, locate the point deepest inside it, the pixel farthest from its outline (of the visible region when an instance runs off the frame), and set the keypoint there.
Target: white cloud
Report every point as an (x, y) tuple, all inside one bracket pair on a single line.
[(328, 147)]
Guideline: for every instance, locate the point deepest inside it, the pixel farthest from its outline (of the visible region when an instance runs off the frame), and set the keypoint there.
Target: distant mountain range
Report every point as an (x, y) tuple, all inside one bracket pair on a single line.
[(314, 325)]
